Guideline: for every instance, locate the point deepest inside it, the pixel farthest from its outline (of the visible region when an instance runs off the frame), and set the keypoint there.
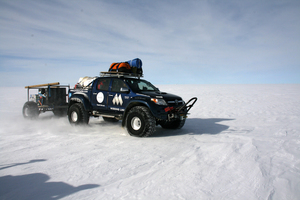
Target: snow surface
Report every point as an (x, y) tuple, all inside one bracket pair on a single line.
[(240, 142)]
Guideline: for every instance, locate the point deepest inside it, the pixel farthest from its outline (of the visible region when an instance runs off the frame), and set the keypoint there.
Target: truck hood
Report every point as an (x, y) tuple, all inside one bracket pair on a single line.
[(159, 94)]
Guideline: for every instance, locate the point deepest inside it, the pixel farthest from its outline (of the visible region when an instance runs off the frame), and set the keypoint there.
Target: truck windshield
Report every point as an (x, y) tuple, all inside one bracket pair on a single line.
[(140, 85)]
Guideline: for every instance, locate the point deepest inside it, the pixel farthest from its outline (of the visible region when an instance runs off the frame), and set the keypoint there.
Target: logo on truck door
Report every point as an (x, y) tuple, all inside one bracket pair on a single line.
[(117, 100), (100, 97)]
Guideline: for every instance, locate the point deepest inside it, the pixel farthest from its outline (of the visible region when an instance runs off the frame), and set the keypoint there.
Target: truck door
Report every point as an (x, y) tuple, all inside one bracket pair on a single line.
[(100, 94), (118, 97)]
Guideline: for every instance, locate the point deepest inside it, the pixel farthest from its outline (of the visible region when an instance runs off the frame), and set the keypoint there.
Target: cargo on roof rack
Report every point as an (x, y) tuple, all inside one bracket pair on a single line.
[(120, 74)]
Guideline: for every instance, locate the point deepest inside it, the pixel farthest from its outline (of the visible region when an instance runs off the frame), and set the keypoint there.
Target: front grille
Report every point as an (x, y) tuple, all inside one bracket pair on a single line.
[(175, 102)]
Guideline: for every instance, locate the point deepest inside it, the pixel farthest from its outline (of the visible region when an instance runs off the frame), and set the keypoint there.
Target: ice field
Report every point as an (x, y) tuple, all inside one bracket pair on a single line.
[(239, 142)]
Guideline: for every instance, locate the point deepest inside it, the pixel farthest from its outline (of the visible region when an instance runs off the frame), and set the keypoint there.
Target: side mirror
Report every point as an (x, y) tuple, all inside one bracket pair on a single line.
[(124, 89)]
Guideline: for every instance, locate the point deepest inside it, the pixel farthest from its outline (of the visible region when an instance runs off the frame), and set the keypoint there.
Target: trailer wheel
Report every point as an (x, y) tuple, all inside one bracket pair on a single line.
[(30, 110), (177, 124), (78, 115), (140, 122)]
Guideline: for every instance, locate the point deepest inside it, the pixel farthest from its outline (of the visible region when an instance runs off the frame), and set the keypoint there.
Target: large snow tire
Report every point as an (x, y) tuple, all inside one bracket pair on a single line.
[(30, 110), (177, 124), (140, 122), (77, 115)]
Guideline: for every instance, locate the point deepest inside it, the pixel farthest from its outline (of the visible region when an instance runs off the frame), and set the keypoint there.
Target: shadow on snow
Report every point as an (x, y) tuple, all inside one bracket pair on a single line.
[(36, 186), (17, 164), (195, 126)]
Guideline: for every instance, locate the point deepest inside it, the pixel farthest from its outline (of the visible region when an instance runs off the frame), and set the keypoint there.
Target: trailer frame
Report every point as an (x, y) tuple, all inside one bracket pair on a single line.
[(55, 98)]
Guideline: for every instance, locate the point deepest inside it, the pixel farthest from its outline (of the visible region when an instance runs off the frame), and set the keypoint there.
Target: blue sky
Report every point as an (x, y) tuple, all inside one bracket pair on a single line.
[(179, 42)]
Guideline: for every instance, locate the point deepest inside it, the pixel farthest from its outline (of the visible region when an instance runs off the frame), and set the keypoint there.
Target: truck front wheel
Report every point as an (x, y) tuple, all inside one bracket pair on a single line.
[(140, 122), (78, 115)]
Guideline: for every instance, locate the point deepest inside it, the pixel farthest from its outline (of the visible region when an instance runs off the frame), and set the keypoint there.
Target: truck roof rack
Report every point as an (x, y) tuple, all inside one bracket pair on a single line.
[(120, 74)]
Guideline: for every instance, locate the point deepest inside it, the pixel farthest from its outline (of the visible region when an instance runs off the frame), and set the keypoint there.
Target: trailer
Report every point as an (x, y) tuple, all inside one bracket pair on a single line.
[(49, 97)]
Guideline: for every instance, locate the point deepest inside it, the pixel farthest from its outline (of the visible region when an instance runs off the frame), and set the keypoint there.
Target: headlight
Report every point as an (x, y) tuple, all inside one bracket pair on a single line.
[(160, 102)]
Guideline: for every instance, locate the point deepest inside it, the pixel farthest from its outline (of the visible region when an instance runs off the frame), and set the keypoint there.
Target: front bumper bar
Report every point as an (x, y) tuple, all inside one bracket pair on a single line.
[(181, 111)]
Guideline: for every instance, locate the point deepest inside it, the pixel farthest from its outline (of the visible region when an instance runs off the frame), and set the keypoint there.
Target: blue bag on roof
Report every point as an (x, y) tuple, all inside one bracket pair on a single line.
[(136, 65)]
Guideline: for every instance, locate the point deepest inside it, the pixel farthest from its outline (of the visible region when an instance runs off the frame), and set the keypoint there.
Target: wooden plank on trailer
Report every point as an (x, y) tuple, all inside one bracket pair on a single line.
[(41, 85)]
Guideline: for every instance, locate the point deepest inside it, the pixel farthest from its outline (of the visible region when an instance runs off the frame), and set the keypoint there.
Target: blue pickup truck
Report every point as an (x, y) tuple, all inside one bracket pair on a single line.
[(120, 96)]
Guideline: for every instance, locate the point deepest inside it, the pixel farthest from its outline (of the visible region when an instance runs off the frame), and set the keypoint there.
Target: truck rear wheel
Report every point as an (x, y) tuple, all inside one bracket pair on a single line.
[(78, 115), (140, 122), (30, 110)]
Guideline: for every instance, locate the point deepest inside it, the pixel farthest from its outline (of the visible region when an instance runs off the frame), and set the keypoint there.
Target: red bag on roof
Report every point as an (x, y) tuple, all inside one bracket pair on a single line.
[(120, 67)]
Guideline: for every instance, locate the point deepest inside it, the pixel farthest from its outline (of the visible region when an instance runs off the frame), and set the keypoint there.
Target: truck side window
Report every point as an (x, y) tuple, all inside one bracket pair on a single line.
[(117, 84), (103, 84)]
